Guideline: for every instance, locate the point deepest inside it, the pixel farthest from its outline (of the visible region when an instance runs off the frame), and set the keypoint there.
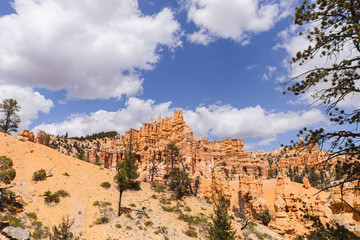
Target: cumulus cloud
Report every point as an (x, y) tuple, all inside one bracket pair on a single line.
[(292, 43), (93, 49), (133, 115), (218, 120), (30, 101), (225, 120), (233, 19)]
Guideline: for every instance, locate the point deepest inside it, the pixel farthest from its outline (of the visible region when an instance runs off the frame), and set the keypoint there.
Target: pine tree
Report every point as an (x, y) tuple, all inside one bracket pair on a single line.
[(7, 172), (220, 228), (153, 169), (333, 30), (127, 173), (9, 108)]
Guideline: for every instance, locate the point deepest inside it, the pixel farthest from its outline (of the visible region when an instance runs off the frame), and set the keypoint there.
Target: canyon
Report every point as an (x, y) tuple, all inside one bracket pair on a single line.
[(224, 166)]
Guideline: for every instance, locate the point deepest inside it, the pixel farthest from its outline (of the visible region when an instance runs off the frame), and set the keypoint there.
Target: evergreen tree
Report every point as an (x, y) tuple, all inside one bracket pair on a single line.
[(153, 169), (9, 108), (220, 228), (7, 172), (333, 30), (127, 173)]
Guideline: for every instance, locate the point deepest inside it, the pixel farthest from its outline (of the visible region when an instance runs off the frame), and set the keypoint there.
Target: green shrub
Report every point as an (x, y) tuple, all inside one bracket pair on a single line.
[(39, 175), (101, 220), (62, 231), (191, 232), (129, 216), (132, 205), (66, 174), (51, 197), (168, 209), (32, 215), (96, 203), (13, 221), (63, 193), (159, 188), (128, 228), (192, 220), (118, 225), (148, 223), (105, 185), (187, 209), (161, 229), (264, 217)]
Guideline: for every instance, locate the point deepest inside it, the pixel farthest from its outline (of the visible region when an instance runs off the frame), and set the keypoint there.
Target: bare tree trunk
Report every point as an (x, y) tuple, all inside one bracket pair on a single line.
[(120, 196)]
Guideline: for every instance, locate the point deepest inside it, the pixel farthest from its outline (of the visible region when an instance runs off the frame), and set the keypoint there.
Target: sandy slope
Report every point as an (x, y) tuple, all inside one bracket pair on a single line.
[(83, 186)]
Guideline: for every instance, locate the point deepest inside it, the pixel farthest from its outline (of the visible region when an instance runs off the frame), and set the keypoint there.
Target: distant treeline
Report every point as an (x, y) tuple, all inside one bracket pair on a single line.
[(94, 136)]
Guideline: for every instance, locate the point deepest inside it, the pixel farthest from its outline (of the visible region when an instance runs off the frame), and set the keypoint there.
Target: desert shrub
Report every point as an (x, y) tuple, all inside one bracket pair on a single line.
[(105, 185), (13, 221), (161, 229), (148, 223), (132, 205), (118, 225), (191, 232), (168, 209), (101, 220), (32, 215), (159, 188), (7, 172), (104, 208), (39, 175), (128, 228), (207, 199), (51, 197), (40, 234), (129, 216), (63, 193), (264, 217), (66, 174), (192, 220), (62, 231)]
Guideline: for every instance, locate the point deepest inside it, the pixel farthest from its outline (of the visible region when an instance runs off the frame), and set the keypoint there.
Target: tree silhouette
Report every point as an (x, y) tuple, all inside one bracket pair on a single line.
[(333, 34)]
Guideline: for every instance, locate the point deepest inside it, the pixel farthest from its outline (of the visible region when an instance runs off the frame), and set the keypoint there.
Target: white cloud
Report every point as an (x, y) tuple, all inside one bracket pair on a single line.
[(292, 43), (225, 120), (269, 73), (233, 19), (136, 112), (216, 120), (31, 102), (93, 49)]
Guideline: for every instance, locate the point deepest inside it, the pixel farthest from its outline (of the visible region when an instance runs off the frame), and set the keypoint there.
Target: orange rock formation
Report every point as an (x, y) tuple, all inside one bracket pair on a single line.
[(199, 153)]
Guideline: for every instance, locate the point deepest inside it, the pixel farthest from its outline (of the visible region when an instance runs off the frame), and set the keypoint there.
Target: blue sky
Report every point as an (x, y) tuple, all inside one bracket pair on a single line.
[(87, 66)]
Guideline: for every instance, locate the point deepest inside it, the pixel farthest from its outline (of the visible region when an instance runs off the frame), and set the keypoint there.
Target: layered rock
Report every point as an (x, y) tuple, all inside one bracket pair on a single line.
[(220, 183), (290, 207), (251, 199), (199, 153), (27, 135), (342, 197), (40, 137)]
